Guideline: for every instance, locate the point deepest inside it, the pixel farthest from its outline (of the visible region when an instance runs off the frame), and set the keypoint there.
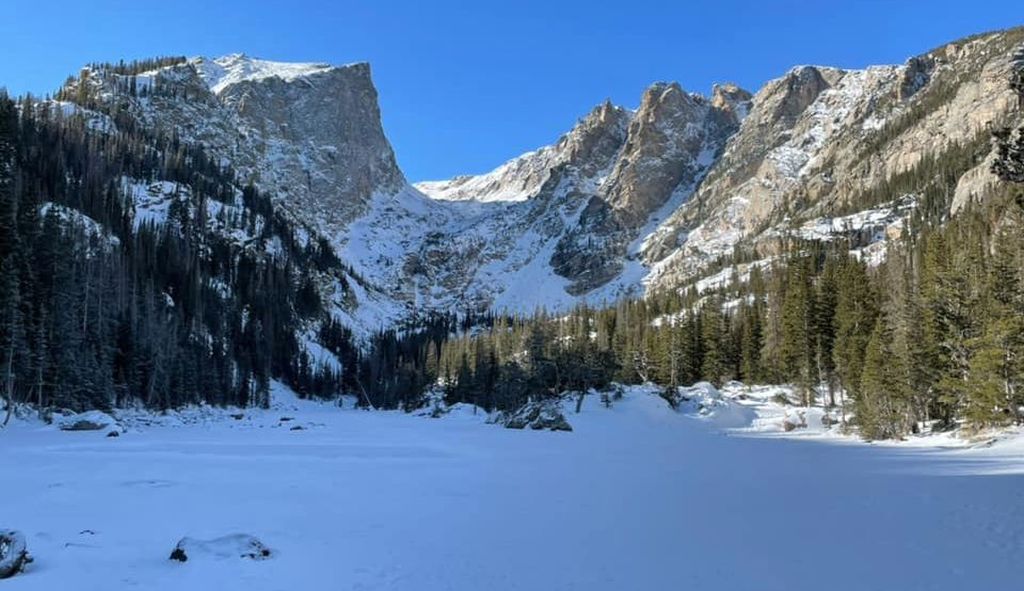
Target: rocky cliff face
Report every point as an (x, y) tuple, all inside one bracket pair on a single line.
[(626, 201), (672, 140), (308, 134), (818, 140), (607, 179)]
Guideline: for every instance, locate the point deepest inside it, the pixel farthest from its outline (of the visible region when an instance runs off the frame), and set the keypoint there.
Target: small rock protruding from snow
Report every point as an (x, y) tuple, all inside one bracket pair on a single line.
[(792, 422), (13, 553), (232, 546)]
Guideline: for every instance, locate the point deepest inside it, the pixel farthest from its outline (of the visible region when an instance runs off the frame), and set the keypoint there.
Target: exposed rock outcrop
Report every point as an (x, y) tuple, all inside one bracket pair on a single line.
[(538, 415)]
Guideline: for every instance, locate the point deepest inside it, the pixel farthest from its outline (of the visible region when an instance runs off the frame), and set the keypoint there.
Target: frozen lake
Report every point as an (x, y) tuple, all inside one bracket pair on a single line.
[(637, 497)]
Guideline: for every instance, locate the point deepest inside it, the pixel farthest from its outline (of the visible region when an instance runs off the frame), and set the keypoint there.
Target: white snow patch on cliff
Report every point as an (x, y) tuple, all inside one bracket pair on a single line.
[(222, 72)]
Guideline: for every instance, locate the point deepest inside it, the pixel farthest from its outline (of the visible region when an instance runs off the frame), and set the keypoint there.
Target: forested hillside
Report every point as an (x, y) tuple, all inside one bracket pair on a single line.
[(103, 305)]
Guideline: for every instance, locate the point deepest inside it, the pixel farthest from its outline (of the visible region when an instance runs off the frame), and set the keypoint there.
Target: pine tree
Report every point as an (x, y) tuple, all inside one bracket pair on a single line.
[(771, 350), (856, 310), (714, 367), (826, 298), (910, 347), (995, 388), (878, 408), (951, 305), (798, 354), (752, 343), (10, 300), (996, 373)]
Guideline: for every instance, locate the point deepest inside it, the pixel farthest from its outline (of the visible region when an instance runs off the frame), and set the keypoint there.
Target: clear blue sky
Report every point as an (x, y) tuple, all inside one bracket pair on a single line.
[(466, 85)]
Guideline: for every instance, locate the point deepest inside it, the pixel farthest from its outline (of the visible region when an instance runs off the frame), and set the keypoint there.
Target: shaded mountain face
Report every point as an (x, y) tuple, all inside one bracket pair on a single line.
[(625, 202)]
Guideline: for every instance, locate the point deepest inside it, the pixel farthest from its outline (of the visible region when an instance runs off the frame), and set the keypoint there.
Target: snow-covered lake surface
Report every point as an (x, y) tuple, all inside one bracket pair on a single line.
[(637, 497)]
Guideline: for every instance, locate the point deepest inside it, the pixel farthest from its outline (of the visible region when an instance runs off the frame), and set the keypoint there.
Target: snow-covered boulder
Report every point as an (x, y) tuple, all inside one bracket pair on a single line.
[(433, 402), (794, 421), (232, 546), (537, 415), (702, 398), (705, 401), (92, 420), (18, 411), (13, 553)]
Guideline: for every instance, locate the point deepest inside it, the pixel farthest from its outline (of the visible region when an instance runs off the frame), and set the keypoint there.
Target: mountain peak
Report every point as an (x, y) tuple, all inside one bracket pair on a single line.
[(222, 72)]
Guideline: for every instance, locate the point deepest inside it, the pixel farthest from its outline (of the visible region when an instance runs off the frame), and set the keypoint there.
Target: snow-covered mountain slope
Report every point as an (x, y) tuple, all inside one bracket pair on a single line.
[(608, 178), (625, 202), (588, 147), (516, 180), (237, 68)]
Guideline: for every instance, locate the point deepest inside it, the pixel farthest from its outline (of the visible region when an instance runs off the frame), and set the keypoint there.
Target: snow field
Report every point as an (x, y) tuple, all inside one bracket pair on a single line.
[(638, 496)]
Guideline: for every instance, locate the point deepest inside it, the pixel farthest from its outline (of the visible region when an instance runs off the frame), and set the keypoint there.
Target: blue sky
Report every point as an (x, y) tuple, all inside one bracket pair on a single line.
[(466, 85)]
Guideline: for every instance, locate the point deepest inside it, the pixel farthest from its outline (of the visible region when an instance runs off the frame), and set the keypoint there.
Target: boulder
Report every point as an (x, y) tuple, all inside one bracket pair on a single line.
[(673, 396), (537, 415), (792, 423), (93, 420), (702, 399), (232, 546), (13, 553)]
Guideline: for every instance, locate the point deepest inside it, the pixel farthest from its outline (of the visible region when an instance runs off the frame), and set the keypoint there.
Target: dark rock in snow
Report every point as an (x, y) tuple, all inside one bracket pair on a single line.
[(538, 415), (673, 397), (13, 553), (297, 428), (114, 434)]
